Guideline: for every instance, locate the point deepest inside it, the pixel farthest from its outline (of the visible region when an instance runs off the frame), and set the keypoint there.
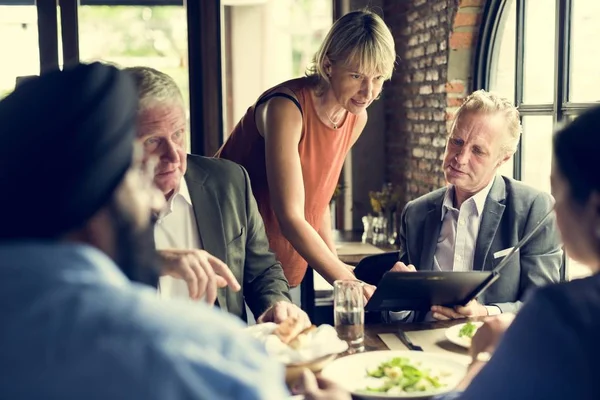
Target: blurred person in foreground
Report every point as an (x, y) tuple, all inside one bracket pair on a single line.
[(294, 139), (551, 349), (476, 220), (210, 235), (78, 226)]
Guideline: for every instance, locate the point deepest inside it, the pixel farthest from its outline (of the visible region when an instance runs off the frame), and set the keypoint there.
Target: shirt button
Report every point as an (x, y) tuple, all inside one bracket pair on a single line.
[(461, 222)]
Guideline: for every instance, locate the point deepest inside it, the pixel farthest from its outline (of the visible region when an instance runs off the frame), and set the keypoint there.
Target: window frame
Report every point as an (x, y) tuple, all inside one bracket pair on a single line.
[(561, 109), (102, 2)]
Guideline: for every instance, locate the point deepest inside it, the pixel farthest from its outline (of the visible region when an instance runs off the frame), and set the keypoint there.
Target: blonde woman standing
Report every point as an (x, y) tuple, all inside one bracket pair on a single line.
[(294, 139)]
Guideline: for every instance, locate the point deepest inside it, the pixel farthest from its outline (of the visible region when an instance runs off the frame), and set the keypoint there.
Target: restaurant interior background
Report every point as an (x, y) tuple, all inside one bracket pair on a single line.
[(223, 54)]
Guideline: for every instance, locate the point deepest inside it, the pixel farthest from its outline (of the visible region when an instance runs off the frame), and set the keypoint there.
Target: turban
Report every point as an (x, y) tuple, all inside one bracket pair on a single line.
[(67, 142)]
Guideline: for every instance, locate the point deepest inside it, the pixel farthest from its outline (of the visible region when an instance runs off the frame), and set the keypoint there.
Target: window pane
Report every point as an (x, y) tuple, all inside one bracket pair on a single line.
[(585, 62), (281, 46), (137, 36), (537, 151), (538, 79), (19, 46), (502, 69)]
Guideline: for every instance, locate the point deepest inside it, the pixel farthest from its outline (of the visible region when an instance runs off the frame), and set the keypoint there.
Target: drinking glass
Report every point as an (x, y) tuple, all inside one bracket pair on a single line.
[(349, 313)]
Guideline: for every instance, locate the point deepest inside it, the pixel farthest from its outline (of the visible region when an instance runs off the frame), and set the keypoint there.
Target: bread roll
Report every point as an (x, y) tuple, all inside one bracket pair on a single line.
[(302, 338), (288, 329)]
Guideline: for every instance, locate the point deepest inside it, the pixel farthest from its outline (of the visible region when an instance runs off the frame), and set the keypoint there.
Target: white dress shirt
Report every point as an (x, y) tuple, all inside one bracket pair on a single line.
[(176, 228), (460, 227)]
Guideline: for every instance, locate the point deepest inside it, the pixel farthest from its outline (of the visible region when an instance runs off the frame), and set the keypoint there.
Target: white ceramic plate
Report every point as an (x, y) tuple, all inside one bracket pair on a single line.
[(452, 335), (350, 372)]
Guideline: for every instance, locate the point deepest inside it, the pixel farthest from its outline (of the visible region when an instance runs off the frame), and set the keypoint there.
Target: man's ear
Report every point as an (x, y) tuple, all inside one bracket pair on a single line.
[(504, 159)]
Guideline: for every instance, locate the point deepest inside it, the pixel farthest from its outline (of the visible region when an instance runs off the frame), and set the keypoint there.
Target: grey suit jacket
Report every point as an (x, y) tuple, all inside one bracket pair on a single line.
[(511, 210), (232, 230)]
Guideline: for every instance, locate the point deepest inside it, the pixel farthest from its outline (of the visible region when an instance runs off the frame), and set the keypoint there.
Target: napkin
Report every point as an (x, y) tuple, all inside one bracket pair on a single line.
[(321, 342)]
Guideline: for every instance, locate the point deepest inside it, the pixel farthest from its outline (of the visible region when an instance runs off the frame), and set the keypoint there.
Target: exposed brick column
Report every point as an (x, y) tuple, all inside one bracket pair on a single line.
[(463, 39), (434, 42)]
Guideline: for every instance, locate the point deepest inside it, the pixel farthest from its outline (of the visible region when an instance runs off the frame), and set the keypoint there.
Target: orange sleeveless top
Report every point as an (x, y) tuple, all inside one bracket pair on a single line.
[(322, 152)]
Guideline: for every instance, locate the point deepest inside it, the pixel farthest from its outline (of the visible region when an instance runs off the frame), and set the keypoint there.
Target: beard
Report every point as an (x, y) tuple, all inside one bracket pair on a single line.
[(135, 249)]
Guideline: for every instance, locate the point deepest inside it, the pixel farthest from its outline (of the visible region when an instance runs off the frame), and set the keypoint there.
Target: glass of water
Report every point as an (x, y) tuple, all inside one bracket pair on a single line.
[(349, 313)]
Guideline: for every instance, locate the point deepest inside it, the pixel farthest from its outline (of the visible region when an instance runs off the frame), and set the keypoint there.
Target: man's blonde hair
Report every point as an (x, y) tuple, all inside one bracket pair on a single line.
[(359, 39), (482, 101), (154, 87)]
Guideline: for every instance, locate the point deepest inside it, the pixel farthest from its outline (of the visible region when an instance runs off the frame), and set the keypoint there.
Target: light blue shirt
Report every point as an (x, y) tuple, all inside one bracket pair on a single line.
[(74, 327)]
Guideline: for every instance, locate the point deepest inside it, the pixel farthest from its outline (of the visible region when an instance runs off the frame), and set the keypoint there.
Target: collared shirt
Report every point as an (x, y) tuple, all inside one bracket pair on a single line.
[(74, 327), (455, 249), (460, 227), (176, 228)]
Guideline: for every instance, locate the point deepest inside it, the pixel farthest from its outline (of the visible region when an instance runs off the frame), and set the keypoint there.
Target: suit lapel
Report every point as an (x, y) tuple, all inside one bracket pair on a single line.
[(490, 221), (431, 233), (208, 217)]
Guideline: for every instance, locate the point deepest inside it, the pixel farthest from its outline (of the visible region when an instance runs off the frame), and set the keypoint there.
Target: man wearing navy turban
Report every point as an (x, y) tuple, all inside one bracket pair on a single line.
[(76, 204)]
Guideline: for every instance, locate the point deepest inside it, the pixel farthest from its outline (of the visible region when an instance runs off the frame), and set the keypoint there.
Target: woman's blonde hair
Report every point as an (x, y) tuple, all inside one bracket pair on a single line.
[(359, 39)]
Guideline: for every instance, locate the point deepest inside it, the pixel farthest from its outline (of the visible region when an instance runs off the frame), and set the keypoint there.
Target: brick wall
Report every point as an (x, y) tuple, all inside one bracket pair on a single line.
[(434, 42)]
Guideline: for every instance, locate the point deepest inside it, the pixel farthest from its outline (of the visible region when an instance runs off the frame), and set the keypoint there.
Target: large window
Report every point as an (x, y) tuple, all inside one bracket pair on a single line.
[(19, 45), (128, 36), (543, 55)]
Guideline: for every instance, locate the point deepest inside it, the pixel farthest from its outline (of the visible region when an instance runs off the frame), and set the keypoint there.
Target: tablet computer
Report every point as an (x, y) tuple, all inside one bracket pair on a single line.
[(420, 290)]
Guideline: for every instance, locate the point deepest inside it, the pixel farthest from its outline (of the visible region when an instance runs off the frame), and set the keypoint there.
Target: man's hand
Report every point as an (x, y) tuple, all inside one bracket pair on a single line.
[(489, 334), (283, 310), (314, 388), (401, 267), (472, 309), (202, 272)]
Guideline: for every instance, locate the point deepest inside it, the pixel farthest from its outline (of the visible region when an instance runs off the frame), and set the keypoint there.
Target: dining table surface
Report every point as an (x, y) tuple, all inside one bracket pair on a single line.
[(429, 335)]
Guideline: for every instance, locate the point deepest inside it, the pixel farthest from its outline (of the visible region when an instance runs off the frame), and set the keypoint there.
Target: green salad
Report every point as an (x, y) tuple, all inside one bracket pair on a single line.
[(399, 375), (468, 330)]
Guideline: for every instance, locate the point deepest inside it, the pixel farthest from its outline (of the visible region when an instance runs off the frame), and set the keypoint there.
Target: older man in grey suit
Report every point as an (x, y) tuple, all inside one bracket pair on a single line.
[(475, 221), (210, 234)]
